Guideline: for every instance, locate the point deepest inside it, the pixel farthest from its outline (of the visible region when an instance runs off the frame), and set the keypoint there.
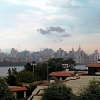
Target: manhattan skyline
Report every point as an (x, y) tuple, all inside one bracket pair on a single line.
[(42, 49), (36, 24)]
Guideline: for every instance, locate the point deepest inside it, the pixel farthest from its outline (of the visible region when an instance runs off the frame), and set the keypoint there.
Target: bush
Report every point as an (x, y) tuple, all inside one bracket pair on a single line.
[(25, 76), (5, 93), (91, 91), (57, 91)]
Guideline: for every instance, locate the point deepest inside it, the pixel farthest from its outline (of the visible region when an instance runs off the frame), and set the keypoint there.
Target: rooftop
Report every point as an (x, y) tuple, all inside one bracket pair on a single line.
[(60, 73), (68, 74), (93, 65), (17, 88)]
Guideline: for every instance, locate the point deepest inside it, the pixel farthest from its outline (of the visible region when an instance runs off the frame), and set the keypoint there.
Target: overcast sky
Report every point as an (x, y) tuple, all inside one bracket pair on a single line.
[(37, 24)]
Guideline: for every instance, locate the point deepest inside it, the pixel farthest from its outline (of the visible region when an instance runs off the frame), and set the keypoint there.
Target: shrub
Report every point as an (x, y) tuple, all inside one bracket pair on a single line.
[(57, 91), (91, 91)]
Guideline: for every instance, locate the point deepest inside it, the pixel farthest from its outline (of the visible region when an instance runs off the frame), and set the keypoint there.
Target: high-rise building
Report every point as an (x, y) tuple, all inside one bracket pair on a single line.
[(1, 56), (79, 55), (72, 54), (13, 53)]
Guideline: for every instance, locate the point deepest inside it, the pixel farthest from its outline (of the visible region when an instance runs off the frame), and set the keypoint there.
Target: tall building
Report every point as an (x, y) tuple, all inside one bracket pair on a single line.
[(13, 53), (1, 56), (72, 54), (80, 55), (60, 53), (95, 56)]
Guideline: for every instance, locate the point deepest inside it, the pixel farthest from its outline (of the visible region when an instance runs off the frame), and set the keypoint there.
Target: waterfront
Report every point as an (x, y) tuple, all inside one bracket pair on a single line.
[(82, 67), (4, 70)]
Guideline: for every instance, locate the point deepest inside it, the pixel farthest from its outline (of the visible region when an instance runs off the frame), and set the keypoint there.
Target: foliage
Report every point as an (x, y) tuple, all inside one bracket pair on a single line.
[(28, 67), (57, 91), (5, 93), (41, 71), (11, 78), (15, 78), (25, 76), (91, 91), (56, 64)]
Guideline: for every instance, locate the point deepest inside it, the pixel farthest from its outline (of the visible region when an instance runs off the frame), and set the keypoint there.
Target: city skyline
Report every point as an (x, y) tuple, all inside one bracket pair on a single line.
[(42, 49), (79, 56), (37, 24)]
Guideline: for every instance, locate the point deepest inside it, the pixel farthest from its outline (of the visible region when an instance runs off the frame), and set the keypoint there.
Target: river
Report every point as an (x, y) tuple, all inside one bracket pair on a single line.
[(4, 70)]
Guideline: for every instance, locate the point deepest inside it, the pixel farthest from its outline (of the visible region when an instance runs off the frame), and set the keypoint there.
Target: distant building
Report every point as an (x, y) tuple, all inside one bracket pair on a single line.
[(13, 53)]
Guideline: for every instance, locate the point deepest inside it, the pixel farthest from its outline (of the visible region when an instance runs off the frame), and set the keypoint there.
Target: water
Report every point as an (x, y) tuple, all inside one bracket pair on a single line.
[(82, 67), (4, 70)]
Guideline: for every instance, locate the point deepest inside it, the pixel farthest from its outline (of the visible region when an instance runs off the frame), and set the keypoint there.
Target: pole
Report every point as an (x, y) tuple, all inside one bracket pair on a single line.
[(33, 68), (47, 71)]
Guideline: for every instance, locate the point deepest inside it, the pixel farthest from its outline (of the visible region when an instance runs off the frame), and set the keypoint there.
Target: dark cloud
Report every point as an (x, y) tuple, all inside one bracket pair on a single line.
[(55, 33), (50, 30)]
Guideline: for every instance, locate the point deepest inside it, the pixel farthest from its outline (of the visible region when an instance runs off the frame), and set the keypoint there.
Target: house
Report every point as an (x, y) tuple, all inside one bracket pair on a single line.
[(18, 91), (93, 68), (63, 75)]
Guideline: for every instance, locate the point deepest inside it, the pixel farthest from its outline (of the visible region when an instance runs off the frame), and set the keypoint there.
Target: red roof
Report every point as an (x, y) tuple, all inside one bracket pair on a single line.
[(68, 74), (93, 65), (17, 88), (60, 73)]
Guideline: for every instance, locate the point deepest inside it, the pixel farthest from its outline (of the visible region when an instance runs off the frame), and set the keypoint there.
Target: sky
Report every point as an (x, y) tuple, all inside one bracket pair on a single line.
[(37, 24)]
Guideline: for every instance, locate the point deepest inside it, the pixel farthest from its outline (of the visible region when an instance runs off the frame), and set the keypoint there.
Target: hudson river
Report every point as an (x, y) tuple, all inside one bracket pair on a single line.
[(4, 70)]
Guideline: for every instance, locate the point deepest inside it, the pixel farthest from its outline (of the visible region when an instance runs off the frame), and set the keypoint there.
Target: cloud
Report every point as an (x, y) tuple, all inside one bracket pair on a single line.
[(55, 33), (50, 30)]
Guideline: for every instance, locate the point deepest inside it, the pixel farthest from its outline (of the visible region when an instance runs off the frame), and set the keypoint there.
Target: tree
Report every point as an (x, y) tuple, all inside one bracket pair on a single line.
[(11, 78), (5, 93), (25, 76), (28, 67), (57, 91), (41, 71), (91, 91)]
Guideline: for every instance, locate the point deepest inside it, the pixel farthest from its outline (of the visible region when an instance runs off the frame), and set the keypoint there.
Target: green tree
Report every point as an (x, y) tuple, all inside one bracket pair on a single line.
[(11, 78), (91, 91), (5, 93), (28, 67), (25, 76), (55, 64), (57, 91), (41, 71)]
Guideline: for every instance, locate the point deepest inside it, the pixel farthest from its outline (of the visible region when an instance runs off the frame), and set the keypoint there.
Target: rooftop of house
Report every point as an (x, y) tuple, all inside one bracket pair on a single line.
[(93, 65), (67, 74), (17, 88), (60, 73)]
